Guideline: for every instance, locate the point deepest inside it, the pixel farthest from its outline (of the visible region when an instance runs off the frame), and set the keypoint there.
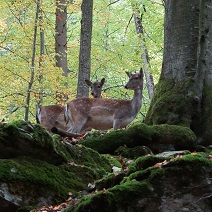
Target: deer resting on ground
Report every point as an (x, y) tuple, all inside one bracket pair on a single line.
[(53, 115), (83, 114)]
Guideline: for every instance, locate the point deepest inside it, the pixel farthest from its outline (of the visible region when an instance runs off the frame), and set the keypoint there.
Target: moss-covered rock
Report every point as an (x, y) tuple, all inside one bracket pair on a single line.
[(37, 169), (175, 102), (157, 137), (132, 153), (173, 186)]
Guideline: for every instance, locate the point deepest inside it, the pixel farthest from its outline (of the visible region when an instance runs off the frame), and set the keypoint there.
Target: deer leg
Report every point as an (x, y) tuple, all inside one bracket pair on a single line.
[(78, 125), (116, 124)]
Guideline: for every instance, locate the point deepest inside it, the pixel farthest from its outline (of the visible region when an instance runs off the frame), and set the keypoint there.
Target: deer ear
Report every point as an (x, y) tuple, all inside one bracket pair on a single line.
[(102, 81), (88, 82), (128, 74), (141, 72)]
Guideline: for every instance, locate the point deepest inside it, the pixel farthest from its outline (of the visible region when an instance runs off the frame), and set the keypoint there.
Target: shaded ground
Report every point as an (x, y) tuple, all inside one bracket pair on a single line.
[(116, 171)]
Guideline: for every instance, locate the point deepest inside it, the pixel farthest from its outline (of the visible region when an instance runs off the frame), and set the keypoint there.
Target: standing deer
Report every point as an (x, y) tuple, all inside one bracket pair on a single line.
[(53, 115), (96, 87), (83, 114)]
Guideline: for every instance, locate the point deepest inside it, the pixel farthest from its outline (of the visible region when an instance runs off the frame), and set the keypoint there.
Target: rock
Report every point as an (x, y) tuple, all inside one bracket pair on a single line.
[(37, 170)]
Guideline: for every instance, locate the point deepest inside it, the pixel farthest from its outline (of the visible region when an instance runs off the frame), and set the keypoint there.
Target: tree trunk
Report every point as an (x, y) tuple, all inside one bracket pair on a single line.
[(85, 48), (61, 36), (203, 78), (183, 95), (144, 53), (42, 50), (31, 81)]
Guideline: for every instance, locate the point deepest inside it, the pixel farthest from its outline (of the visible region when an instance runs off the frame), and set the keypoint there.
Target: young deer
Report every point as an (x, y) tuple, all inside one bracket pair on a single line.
[(96, 87), (53, 115), (83, 114)]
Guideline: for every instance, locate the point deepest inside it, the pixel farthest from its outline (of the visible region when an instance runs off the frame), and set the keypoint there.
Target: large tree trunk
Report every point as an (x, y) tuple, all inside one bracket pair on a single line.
[(203, 76), (85, 48), (183, 95)]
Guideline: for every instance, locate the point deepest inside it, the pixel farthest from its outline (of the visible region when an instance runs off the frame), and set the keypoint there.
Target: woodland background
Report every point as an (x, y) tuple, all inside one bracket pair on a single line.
[(116, 47)]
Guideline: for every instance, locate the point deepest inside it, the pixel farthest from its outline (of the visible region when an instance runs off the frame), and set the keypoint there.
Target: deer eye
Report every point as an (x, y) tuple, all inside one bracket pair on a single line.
[(99, 86)]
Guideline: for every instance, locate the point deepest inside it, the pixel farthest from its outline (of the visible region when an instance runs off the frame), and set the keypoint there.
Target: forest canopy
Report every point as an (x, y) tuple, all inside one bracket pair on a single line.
[(115, 48)]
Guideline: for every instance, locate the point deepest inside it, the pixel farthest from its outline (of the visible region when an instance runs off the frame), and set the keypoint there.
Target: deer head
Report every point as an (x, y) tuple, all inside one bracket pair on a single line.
[(96, 87), (83, 114)]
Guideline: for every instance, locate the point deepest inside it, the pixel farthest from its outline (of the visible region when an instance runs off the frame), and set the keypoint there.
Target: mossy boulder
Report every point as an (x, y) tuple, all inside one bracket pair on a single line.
[(132, 153), (157, 137), (180, 184), (37, 169)]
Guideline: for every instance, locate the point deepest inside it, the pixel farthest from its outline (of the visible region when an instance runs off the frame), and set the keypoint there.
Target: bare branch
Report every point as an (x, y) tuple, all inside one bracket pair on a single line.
[(113, 2)]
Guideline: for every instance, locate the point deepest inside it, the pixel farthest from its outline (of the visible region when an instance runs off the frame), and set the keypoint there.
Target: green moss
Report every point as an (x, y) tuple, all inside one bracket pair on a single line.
[(109, 181), (204, 129), (137, 131), (139, 175), (23, 138), (109, 141), (193, 160), (156, 137), (147, 161), (172, 103), (127, 193), (181, 137), (90, 158), (119, 196), (147, 182), (112, 160), (40, 173), (134, 152), (27, 131), (99, 202)]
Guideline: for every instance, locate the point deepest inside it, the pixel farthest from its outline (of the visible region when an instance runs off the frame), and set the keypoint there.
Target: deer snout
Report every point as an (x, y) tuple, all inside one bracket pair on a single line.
[(126, 86), (94, 95)]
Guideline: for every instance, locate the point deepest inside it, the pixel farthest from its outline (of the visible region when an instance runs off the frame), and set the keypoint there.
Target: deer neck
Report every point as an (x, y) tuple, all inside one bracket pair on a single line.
[(136, 100)]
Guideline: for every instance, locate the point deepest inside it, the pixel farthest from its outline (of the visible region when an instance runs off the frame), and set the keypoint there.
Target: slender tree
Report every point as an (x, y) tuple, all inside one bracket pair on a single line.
[(184, 93), (137, 14), (32, 74), (42, 49), (61, 35), (85, 47)]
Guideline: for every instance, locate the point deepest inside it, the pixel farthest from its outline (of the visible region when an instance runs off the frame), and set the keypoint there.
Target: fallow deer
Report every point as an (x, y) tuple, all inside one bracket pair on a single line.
[(53, 115), (96, 87), (83, 114)]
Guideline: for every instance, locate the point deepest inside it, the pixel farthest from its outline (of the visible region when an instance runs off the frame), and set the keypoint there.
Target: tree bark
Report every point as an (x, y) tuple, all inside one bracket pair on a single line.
[(203, 77), (183, 95), (144, 52), (42, 50), (61, 36), (85, 48), (32, 74)]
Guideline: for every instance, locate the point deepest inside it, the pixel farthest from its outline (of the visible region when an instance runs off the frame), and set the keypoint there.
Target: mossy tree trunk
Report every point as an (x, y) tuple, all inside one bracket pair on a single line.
[(183, 95)]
